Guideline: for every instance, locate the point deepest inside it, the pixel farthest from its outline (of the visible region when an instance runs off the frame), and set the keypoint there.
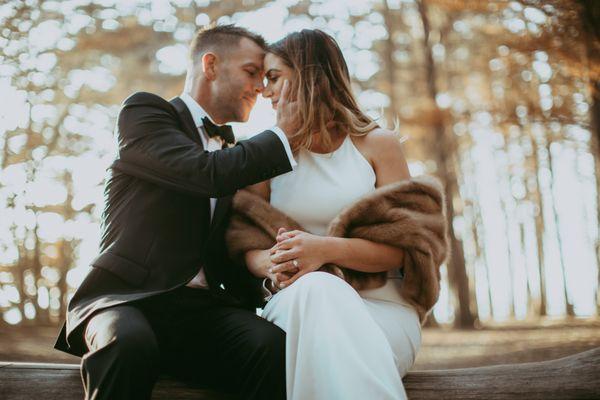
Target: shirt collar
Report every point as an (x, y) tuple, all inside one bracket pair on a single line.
[(196, 110)]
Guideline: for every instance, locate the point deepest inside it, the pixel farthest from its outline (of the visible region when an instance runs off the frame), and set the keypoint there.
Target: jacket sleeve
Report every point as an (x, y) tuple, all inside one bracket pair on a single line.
[(153, 147)]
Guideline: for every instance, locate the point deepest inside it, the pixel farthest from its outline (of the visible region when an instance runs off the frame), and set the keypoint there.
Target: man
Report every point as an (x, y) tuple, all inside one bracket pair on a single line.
[(163, 296)]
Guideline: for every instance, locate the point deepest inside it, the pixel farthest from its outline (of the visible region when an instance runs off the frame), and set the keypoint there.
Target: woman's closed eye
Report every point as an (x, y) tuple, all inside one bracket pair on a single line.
[(272, 78)]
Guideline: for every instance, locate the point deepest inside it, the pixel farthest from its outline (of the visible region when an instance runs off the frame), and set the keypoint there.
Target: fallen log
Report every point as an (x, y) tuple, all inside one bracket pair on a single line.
[(572, 377)]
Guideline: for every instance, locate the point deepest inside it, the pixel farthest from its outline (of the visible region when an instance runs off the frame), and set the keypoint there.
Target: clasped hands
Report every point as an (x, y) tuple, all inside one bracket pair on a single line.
[(296, 253)]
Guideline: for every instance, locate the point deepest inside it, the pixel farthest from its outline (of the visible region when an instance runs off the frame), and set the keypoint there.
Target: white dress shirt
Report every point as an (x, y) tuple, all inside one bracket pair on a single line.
[(212, 144)]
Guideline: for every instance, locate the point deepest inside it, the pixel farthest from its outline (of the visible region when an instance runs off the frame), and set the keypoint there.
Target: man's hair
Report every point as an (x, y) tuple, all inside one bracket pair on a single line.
[(221, 37)]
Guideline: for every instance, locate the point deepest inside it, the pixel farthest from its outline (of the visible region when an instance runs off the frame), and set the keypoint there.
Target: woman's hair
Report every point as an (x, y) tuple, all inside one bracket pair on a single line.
[(321, 86)]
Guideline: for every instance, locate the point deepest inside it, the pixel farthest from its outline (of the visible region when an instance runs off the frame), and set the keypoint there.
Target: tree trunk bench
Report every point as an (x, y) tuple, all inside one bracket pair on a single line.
[(573, 377)]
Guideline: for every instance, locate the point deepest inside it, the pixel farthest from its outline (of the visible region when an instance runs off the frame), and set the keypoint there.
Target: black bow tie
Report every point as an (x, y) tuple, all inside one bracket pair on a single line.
[(224, 131)]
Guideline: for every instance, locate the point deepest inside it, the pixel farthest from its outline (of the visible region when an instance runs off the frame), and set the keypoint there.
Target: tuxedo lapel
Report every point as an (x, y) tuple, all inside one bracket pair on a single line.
[(223, 203), (221, 208), (190, 129), (187, 120)]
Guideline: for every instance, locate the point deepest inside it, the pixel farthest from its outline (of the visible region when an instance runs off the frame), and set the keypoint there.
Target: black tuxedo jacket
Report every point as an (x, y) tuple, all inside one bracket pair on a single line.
[(156, 230)]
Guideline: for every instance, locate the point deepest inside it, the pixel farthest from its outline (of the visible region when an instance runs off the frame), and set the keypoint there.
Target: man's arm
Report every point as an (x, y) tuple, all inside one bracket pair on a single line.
[(153, 147)]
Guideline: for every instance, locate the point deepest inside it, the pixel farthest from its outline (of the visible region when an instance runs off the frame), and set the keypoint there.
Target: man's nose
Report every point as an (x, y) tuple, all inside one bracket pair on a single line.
[(259, 87)]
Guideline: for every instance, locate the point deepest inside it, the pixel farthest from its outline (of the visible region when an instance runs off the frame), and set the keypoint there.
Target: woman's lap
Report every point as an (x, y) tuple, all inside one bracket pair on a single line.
[(399, 323)]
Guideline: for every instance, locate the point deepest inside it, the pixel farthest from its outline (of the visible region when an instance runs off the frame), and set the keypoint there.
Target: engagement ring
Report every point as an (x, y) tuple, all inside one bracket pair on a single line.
[(295, 263)]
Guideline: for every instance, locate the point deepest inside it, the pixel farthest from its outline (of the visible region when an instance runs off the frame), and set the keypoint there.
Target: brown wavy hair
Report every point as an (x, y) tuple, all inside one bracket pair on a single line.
[(321, 86)]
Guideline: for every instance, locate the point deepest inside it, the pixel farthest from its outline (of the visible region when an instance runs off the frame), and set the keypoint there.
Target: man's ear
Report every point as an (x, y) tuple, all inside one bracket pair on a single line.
[(209, 65)]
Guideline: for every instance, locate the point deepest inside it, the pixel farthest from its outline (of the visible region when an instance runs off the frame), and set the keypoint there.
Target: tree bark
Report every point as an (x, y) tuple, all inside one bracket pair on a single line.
[(540, 225), (568, 304), (590, 18), (444, 147), (390, 64)]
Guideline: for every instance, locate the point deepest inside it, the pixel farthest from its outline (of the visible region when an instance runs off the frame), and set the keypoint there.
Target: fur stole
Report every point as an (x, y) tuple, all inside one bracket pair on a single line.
[(410, 215)]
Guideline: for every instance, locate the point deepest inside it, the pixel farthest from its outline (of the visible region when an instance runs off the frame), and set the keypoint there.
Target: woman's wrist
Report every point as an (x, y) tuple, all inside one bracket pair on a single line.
[(331, 249)]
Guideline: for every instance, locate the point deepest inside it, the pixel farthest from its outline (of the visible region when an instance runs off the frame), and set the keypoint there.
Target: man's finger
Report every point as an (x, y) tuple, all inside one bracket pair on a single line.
[(284, 276), (293, 279)]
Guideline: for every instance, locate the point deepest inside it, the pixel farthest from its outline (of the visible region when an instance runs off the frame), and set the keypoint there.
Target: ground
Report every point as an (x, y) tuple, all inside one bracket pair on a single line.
[(442, 348)]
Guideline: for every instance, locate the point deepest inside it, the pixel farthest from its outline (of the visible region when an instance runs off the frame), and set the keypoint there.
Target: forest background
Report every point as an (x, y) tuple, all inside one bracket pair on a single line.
[(499, 99)]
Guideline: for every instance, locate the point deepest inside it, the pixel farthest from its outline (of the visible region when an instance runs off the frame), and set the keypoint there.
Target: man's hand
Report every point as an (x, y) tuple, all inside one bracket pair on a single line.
[(277, 277), (287, 112)]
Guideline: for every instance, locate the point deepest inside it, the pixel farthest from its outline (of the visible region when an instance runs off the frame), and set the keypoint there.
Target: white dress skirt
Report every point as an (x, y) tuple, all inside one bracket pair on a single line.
[(340, 344)]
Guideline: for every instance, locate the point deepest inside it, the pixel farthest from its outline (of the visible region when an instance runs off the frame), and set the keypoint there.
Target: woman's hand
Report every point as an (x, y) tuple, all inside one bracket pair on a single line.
[(259, 263), (297, 253)]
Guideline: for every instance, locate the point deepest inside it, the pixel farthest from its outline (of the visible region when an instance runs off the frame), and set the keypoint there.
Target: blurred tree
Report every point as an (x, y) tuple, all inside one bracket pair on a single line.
[(500, 99)]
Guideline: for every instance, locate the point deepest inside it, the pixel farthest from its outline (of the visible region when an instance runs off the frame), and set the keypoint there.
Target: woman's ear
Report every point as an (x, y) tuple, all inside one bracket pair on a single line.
[(209, 65)]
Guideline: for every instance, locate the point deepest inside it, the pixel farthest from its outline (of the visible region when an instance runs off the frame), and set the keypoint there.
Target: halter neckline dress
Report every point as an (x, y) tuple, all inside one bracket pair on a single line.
[(340, 344)]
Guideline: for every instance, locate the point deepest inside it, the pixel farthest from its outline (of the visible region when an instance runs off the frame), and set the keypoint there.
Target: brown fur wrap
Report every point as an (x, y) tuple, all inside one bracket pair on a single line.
[(410, 215)]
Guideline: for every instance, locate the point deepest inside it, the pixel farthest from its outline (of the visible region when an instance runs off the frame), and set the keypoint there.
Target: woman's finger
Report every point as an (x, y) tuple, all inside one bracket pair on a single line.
[(281, 234), (285, 245), (283, 267), (283, 256), (285, 235)]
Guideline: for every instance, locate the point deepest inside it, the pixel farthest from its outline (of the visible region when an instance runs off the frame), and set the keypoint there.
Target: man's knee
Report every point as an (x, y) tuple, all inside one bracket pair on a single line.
[(268, 343), (125, 332)]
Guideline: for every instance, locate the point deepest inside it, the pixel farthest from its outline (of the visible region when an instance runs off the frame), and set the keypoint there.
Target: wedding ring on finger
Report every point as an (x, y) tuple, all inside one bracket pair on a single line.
[(295, 263)]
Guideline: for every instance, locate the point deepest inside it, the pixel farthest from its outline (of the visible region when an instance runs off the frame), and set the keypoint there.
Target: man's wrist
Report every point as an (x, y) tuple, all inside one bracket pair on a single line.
[(286, 144)]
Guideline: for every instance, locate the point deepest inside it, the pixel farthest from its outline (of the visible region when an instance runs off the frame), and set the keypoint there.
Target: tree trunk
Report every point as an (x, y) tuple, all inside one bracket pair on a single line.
[(595, 146), (590, 18), (540, 226), (444, 147), (390, 64), (568, 304)]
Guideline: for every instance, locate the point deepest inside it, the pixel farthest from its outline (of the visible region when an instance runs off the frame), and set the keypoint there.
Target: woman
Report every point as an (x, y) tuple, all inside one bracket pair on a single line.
[(342, 343)]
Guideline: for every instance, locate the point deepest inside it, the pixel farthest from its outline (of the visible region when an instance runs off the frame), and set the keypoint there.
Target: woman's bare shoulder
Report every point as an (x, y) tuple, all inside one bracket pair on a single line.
[(383, 149), (377, 141)]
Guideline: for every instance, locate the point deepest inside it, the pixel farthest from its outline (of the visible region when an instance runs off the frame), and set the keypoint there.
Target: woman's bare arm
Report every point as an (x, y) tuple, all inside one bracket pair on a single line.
[(384, 151)]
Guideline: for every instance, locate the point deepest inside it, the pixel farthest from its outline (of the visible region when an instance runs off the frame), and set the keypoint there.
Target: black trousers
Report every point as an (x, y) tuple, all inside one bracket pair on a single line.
[(186, 333)]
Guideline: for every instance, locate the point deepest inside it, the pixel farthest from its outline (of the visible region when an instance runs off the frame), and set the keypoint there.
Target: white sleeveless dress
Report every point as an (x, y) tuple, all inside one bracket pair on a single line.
[(340, 344)]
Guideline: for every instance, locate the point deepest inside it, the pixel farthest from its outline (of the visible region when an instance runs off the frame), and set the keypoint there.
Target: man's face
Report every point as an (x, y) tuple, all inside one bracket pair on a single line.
[(239, 80)]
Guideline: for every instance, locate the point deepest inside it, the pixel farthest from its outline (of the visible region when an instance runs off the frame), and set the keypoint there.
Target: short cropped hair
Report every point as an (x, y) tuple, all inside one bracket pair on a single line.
[(221, 37)]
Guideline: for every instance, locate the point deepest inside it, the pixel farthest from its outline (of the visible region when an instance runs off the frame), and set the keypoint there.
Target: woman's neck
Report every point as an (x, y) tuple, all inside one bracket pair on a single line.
[(317, 145)]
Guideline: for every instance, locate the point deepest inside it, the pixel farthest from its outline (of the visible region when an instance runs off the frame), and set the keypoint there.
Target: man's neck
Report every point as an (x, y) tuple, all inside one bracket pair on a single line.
[(204, 100)]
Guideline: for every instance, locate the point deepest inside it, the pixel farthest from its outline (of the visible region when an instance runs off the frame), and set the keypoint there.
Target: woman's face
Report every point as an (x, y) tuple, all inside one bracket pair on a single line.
[(277, 73)]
